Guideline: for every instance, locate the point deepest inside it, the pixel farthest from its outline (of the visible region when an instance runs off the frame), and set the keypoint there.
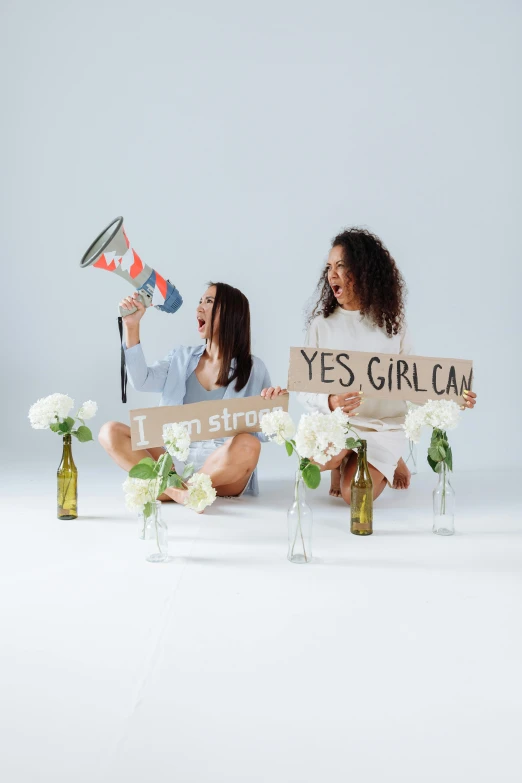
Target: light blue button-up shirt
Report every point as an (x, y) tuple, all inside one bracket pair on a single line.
[(169, 377)]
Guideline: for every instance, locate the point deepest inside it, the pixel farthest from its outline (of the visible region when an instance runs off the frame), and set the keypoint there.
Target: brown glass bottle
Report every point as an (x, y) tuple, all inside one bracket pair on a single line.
[(67, 476), (361, 503)]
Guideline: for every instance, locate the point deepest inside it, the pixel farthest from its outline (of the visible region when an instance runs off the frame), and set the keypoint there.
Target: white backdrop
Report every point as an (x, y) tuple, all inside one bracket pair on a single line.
[(237, 139)]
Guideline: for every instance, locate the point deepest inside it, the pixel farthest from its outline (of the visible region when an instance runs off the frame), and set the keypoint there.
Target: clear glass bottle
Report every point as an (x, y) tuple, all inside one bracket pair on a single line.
[(156, 534), (411, 459), (444, 504), (361, 502), (300, 521), (141, 525), (67, 480)]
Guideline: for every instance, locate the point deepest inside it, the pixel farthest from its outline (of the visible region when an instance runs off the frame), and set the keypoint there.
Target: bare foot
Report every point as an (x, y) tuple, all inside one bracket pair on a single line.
[(335, 483), (402, 476), (178, 496)]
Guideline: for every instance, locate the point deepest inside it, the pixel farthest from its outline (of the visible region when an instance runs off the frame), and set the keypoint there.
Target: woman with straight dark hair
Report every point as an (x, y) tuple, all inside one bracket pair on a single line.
[(223, 367)]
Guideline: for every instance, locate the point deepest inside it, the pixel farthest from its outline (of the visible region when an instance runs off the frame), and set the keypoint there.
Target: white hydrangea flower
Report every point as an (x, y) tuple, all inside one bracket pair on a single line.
[(278, 426), (442, 414), (177, 440), (88, 410), (414, 422), (321, 436), (49, 410), (438, 414), (138, 492), (201, 493)]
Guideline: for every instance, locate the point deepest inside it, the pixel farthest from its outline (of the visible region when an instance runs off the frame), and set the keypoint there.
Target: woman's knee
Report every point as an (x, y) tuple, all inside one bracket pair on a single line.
[(248, 446), (346, 493), (336, 461), (111, 432)]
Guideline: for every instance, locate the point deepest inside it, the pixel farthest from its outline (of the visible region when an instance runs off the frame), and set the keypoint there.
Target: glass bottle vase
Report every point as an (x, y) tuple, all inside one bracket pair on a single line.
[(300, 521), (156, 534), (444, 504), (361, 495), (411, 459), (67, 481)]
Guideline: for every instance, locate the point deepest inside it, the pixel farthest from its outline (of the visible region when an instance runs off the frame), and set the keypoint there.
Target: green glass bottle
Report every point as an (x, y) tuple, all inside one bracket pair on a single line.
[(67, 475), (361, 503)]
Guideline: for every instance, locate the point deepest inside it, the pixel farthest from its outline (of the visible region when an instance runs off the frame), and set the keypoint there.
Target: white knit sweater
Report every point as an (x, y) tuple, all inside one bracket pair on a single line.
[(347, 330)]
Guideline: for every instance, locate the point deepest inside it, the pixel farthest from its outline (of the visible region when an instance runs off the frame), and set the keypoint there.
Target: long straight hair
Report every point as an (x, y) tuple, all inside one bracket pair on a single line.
[(233, 334)]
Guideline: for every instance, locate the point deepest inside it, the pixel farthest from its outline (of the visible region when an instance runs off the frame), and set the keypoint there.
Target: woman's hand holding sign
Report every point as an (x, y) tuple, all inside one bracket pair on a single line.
[(470, 398), (273, 391), (347, 403)]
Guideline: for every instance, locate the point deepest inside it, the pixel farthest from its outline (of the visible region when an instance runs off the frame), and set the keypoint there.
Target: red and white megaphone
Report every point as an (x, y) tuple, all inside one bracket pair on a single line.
[(112, 251)]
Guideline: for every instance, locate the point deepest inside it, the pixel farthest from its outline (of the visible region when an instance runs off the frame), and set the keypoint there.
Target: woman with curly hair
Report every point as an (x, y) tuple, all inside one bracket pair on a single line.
[(361, 307)]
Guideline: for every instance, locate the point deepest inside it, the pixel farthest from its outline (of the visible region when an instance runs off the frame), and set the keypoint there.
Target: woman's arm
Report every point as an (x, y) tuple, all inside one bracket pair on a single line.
[(142, 377)]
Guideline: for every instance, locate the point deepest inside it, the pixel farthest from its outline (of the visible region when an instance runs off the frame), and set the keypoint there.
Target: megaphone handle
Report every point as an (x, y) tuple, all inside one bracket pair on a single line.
[(123, 366)]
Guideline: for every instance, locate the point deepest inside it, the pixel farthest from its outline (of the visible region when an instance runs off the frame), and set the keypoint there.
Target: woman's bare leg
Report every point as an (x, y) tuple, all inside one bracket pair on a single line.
[(335, 466), (229, 467), (115, 438), (379, 481)]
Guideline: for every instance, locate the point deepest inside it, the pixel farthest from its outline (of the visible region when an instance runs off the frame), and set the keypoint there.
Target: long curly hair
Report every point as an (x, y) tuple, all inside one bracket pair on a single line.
[(377, 282)]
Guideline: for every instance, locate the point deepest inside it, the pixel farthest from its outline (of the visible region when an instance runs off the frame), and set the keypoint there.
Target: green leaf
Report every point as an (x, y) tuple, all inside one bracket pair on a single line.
[(442, 451), (312, 476), (433, 465), (433, 452), (449, 458), (148, 509), (174, 480), (352, 443), (188, 470), (83, 434), (66, 425), (304, 462), (164, 464), (148, 461), (289, 448), (163, 485), (142, 471)]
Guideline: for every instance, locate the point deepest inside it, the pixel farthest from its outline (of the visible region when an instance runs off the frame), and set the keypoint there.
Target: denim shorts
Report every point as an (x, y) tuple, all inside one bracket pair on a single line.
[(200, 450)]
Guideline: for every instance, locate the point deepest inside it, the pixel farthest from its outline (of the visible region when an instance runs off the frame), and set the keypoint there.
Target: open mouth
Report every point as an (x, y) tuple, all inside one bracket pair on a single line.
[(337, 290), (201, 323)]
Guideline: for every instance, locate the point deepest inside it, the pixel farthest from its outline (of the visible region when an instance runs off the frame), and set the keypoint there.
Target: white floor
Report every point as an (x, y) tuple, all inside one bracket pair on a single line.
[(393, 657)]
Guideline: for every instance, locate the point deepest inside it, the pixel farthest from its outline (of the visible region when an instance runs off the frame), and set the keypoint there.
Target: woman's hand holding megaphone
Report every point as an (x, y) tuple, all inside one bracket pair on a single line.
[(129, 303), (132, 322)]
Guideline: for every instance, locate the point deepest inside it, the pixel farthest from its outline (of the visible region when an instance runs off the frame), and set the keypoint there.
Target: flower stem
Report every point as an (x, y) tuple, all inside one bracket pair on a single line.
[(298, 529), (443, 488)]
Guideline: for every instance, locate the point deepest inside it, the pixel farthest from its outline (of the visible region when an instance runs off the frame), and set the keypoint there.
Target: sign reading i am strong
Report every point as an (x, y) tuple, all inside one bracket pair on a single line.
[(204, 420)]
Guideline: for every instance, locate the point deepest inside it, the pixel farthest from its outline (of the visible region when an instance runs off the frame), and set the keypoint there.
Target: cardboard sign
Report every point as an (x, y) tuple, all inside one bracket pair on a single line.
[(204, 420), (381, 375)]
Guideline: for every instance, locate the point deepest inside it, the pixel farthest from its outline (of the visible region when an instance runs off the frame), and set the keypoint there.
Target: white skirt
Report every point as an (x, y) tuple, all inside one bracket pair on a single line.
[(384, 449)]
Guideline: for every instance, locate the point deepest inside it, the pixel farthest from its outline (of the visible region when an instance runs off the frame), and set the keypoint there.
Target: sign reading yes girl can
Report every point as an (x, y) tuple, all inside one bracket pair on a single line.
[(204, 420), (381, 375)]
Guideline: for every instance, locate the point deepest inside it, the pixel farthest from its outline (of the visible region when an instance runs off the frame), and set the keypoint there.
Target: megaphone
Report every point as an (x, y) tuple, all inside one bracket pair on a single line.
[(111, 250)]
